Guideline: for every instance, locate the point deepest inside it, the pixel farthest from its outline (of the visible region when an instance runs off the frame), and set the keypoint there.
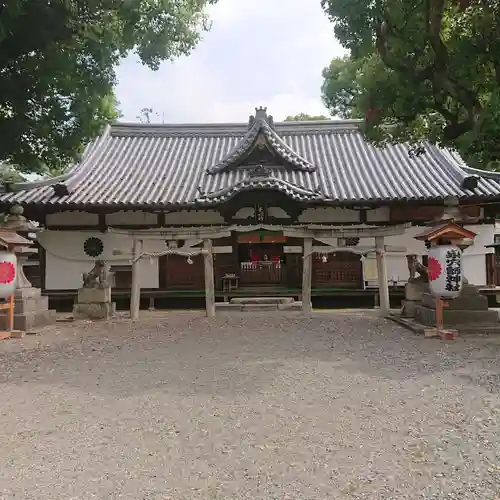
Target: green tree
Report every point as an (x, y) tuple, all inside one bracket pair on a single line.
[(304, 117), (57, 66), (420, 70)]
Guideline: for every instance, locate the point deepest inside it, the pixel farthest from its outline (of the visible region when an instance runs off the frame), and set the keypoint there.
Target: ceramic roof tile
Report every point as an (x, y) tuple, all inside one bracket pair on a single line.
[(166, 165)]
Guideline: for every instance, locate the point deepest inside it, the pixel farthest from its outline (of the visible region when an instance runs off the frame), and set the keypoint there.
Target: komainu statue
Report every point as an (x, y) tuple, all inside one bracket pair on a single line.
[(98, 277), (414, 267)]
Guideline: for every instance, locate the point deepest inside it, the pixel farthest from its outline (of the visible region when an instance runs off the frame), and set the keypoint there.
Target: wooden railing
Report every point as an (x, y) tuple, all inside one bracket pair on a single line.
[(262, 273), (344, 271)]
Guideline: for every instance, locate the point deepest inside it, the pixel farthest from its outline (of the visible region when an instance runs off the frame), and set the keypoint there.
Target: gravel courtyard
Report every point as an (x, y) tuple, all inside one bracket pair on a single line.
[(247, 406)]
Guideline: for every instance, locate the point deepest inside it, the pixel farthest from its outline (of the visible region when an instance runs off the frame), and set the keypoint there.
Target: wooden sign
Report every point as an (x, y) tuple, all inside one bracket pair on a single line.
[(292, 249), (223, 249), (261, 237)]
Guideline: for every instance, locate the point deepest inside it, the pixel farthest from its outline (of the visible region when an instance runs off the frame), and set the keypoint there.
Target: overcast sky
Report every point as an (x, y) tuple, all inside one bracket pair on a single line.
[(259, 52)]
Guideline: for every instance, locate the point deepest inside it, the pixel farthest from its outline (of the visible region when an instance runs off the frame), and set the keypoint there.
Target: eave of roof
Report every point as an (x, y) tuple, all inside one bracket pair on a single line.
[(137, 166), (262, 182)]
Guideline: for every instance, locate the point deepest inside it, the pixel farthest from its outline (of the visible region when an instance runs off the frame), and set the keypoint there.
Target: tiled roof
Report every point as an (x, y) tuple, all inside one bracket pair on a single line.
[(262, 124), (133, 165)]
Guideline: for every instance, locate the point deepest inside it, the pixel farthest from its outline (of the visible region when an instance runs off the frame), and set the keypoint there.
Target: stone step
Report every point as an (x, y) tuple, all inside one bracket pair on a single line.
[(291, 306), (30, 320), (262, 300), (259, 307), (226, 306), (287, 306)]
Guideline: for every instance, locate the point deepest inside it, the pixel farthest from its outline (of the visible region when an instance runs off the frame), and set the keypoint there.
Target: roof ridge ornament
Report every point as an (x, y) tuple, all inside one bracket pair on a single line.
[(261, 116), (260, 136), (259, 171)]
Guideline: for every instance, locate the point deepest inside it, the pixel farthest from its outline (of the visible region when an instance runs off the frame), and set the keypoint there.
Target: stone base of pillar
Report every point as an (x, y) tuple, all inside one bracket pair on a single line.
[(94, 303), (409, 308), (96, 310)]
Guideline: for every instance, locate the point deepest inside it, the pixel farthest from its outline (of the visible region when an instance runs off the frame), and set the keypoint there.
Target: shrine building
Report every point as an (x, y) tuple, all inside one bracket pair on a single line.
[(265, 195)]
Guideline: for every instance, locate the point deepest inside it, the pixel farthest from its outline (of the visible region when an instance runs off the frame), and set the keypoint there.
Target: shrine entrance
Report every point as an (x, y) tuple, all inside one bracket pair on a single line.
[(261, 258)]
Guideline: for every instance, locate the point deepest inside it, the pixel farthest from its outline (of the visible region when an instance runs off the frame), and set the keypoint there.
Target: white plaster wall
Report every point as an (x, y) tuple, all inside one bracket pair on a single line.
[(381, 214), (328, 215), (131, 217), (193, 217), (66, 261), (474, 262), (244, 213), (277, 212), (333, 215), (186, 217), (75, 218)]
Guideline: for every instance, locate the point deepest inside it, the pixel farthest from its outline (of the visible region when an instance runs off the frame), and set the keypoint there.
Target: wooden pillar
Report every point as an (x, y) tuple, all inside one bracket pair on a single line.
[(307, 276), (383, 283), (209, 278), (135, 292), (490, 269)]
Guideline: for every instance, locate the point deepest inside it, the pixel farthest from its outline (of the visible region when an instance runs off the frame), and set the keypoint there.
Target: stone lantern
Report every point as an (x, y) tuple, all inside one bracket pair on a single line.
[(31, 307), (465, 308)]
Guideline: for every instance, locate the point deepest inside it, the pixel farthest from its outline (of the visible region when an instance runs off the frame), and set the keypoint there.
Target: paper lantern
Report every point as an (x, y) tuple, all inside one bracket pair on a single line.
[(8, 274), (445, 271)]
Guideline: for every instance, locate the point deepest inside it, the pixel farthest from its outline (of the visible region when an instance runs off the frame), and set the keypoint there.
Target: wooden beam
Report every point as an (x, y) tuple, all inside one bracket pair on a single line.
[(319, 232), (306, 231), (102, 222), (135, 293), (307, 276), (209, 278), (359, 249), (383, 283), (223, 249)]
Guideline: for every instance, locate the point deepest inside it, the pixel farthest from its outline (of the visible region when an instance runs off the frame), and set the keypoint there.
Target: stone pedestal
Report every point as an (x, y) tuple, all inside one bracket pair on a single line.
[(414, 291), (469, 309), (31, 310), (94, 303)]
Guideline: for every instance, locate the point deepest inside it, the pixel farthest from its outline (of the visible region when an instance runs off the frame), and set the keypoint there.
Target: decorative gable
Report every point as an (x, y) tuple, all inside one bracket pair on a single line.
[(446, 231), (261, 145)]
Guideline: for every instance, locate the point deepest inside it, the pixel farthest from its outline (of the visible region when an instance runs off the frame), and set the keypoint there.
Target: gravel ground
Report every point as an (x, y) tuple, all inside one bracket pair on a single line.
[(248, 406)]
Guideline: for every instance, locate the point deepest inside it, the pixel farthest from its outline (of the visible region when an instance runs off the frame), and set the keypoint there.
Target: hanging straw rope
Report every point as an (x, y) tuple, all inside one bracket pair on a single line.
[(171, 251), (363, 252)]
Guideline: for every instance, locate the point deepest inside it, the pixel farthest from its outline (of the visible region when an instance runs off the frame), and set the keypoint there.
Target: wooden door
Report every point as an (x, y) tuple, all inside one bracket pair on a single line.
[(180, 275), (341, 270), (294, 265)]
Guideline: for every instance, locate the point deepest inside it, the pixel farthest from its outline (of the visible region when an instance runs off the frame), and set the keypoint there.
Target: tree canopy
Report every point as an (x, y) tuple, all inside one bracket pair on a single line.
[(57, 68), (420, 70), (304, 117)]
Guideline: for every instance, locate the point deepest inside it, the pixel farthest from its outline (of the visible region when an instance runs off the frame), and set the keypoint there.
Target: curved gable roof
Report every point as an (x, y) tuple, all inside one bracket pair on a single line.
[(261, 124)]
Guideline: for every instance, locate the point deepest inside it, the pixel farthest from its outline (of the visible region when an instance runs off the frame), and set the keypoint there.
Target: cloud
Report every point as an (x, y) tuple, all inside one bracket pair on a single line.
[(263, 52)]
